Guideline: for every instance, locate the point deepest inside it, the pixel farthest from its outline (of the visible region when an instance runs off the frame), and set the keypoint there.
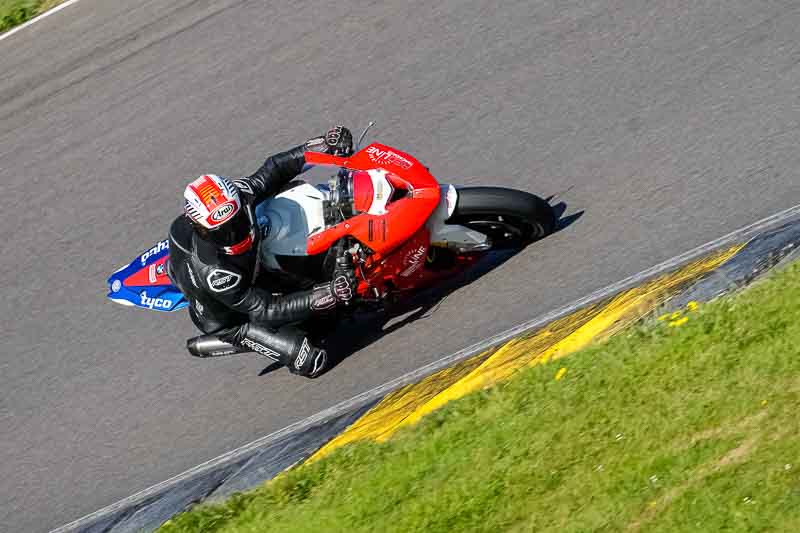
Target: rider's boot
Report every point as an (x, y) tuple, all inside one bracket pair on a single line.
[(288, 346)]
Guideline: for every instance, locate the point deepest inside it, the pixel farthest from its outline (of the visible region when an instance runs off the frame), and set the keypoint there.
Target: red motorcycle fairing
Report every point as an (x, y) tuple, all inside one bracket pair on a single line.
[(382, 233), (363, 191), (403, 269), (395, 195), (406, 269)]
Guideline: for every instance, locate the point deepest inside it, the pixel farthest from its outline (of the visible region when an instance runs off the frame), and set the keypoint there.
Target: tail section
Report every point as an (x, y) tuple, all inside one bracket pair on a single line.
[(144, 282)]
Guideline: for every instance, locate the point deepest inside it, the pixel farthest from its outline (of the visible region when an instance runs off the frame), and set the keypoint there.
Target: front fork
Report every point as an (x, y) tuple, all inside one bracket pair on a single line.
[(455, 237)]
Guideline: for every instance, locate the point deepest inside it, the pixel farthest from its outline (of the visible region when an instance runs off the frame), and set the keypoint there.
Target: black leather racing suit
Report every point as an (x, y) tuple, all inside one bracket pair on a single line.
[(223, 300)]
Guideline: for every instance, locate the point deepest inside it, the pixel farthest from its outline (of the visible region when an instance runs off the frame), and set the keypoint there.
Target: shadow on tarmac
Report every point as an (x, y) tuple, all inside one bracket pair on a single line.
[(352, 334)]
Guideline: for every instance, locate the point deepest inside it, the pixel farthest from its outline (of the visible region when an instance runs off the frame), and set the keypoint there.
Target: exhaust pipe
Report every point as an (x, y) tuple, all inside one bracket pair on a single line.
[(206, 346)]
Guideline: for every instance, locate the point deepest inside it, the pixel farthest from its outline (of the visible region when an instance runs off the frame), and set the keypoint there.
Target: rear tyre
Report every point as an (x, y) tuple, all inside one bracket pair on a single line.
[(510, 218)]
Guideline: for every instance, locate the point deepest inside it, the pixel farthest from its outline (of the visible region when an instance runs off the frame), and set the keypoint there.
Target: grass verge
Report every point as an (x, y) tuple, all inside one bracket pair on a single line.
[(662, 428), (15, 12)]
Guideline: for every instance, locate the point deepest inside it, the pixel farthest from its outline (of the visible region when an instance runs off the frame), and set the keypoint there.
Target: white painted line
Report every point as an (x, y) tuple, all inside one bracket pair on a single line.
[(359, 400), (37, 18)]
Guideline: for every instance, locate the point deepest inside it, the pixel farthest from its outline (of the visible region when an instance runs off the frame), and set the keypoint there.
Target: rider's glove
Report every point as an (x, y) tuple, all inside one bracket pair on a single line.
[(340, 290), (337, 141), (344, 285), (323, 297)]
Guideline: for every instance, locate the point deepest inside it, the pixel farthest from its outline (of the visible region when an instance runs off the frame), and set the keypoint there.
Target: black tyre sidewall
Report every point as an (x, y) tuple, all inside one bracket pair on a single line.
[(476, 202)]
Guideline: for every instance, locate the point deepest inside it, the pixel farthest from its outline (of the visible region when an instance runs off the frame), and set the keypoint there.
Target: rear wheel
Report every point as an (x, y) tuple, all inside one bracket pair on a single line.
[(510, 218)]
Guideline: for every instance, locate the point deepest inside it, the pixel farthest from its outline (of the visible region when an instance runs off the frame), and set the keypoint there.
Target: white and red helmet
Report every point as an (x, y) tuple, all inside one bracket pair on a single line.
[(214, 206)]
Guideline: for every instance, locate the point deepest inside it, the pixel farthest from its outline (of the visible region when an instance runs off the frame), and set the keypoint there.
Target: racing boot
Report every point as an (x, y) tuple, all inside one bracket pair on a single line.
[(288, 346)]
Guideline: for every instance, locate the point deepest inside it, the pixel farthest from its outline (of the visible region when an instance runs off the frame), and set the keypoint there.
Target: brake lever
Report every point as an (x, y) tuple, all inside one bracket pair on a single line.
[(363, 134)]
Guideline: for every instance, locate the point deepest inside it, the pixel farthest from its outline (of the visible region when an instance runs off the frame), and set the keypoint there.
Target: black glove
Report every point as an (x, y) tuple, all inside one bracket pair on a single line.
[(344, 286), (345, 282), (340, 290), (323, 297), (337, 141)]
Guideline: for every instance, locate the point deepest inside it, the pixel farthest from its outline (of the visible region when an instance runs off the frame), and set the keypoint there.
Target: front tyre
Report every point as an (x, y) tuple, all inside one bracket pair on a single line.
[(510, 218)]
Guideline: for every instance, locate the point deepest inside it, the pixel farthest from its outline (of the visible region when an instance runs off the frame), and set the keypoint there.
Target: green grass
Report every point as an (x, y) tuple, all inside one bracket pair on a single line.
[(15, 12), (690, 428)]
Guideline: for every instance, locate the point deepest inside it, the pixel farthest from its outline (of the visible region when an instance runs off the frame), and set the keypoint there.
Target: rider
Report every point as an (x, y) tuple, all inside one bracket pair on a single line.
[(214, 262)]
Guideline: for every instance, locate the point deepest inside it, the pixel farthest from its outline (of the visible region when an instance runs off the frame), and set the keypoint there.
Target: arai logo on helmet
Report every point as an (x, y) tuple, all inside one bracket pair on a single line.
[(223, 212)]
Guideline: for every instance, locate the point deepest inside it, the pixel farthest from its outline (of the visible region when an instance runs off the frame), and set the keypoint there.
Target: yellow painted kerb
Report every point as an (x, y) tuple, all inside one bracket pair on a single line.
[(562, 337)]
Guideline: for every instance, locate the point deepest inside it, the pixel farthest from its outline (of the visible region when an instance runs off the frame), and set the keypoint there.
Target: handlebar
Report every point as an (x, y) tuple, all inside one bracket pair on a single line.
[(341, 204)]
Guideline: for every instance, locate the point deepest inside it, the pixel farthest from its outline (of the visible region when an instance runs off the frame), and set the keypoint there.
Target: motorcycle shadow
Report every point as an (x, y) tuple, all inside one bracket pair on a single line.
[(562, 221), (353, 334), (365, 329)]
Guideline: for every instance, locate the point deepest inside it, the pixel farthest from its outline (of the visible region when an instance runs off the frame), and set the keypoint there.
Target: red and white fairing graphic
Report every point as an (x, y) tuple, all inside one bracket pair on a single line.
[(145, 283), (384, 224)]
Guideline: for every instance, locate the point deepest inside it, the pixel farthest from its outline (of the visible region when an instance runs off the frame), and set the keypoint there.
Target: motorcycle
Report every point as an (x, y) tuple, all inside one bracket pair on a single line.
[(381, 211)]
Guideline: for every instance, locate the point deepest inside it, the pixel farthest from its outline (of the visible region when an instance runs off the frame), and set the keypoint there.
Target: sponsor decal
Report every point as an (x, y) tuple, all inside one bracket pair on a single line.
[(325, 302), (388, 157), (160, 269), (151, 273), (218, 353), (261, 349), (305, 349), (157, 249), (223, 212), (414, 260), (222, 280), (155, 303), (116, 285), (199, 307)]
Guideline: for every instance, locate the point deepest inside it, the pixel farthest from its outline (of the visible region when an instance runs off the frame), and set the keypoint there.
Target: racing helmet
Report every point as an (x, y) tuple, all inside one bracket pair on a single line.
[(214, 207)]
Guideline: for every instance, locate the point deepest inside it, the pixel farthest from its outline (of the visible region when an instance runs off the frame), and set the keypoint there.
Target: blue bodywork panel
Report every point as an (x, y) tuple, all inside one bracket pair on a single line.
[(144, 282)]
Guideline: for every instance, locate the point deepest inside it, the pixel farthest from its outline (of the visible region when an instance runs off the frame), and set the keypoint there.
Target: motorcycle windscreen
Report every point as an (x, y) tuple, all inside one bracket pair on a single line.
[(144, 282)]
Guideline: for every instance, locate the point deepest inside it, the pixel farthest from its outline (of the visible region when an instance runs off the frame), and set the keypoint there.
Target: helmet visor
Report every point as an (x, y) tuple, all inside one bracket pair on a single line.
[(231, 232)]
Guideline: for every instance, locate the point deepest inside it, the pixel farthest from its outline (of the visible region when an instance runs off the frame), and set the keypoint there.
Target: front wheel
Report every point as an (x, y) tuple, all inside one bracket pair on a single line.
[(510, 218)]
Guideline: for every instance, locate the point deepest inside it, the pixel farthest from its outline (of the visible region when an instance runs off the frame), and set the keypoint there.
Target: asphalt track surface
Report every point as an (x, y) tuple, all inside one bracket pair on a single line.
[(666, 124)]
